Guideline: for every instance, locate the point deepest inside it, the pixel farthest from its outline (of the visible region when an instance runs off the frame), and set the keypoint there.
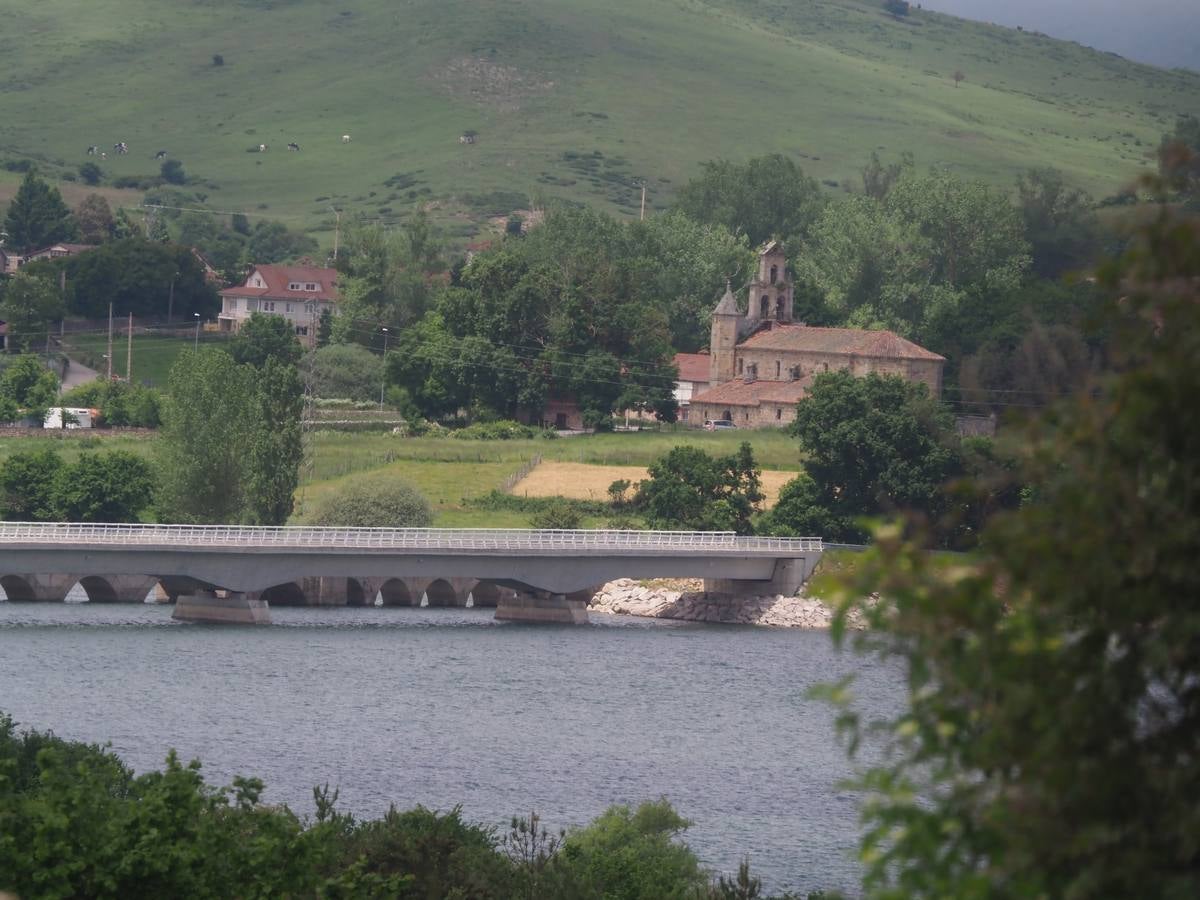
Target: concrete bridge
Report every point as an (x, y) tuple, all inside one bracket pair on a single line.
[(233, 573)]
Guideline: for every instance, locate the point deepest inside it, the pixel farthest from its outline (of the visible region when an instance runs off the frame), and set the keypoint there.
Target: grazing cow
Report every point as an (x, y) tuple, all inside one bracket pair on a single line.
[(294, 146), (103, 155), (161, 154), (262, 148), (121, 147), (345, 138), (93, 150)]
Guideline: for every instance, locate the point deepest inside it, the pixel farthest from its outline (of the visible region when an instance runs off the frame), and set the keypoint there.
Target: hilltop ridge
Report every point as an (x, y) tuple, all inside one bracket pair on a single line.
[(582, 100)]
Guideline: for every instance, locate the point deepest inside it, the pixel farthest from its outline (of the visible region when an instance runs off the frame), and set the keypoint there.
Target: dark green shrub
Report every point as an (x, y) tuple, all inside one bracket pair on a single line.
[(375, 503)]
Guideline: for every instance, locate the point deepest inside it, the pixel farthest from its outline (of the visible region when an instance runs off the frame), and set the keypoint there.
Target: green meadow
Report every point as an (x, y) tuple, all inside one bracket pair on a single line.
[(153, 353), (578, 100)]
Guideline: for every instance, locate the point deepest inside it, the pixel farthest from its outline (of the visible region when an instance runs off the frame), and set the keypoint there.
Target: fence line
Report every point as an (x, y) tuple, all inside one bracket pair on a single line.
[(515, 478)]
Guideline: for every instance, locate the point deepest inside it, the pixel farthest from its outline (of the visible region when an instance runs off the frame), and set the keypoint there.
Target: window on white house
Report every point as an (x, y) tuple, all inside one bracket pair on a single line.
[(312, 286), (302, 330), (287, 307), (268, 306), (232, 304)]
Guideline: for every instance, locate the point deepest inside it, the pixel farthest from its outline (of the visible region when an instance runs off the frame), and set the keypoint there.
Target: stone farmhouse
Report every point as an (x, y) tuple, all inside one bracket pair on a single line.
[(300, 294), (761, 363)]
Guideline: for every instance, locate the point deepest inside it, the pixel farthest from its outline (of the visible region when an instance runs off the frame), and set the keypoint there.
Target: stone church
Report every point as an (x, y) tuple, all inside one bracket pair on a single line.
[(761, 362)]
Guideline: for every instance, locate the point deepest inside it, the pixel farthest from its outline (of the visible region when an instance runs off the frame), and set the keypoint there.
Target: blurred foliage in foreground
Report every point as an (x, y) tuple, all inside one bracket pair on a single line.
[(1051, 744)]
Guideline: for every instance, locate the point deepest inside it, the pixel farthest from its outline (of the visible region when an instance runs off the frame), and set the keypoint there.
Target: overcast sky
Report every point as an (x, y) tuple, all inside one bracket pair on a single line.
[(1162, 32)]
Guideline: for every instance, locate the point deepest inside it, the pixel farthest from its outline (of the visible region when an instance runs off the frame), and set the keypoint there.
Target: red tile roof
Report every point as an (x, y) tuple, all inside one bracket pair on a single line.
[(755, 393), (279, 277), (692, 366), (845, 341)]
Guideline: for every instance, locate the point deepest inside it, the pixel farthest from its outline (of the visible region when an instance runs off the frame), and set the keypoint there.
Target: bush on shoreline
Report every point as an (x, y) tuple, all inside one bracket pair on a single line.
[(75, 821)]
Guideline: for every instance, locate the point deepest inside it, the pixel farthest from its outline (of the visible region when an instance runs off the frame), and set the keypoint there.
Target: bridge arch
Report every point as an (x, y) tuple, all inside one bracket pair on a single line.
[(287, 594), (441, 593), (98, 590), (485, 593), (17, 589), (395, 592), (356, 595)]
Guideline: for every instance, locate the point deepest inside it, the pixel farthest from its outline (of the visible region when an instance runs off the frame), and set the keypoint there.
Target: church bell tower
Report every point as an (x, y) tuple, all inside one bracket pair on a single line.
[(723, 339)]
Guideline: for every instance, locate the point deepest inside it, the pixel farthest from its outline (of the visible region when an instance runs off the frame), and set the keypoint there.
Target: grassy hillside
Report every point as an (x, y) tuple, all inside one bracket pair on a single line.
[(577, 99)]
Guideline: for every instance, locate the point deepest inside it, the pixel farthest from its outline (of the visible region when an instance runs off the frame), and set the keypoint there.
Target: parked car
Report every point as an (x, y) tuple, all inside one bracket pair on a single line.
[(717, 424)]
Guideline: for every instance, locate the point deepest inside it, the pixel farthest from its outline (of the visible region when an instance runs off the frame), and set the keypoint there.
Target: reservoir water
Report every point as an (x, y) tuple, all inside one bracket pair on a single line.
[(444, 707)]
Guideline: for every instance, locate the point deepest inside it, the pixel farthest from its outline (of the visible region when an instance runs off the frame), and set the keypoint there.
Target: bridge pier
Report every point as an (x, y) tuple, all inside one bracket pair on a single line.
[(542, 608), (32, 588), (790, 576), (234, 608)]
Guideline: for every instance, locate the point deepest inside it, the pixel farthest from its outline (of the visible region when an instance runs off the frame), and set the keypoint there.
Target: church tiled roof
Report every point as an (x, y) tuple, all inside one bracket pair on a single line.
[(845, 341), (755, 393), (693, 366), (728, 305)]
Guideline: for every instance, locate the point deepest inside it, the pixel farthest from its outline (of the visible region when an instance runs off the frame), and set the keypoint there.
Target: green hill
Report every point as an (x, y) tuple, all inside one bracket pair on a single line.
[(575, 99)]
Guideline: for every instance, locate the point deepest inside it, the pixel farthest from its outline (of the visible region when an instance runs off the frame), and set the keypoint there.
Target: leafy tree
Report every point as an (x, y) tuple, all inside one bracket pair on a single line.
[(90, 173), (910, 261), (347, 371), (273, 464), (769, 196), (205, 438), (325, 327), (95, 220), (871, 445), (273, 242), (172, 172), (37, 215), (28, 481), (689, 489), (29, 384), (878, 179), (897, 8), (1059, 222), (119, 403), (30, 304), (370, 503), (104, 487), (1047, 746), (263, 337), (136, 276), (557, 515), (1179, 158)]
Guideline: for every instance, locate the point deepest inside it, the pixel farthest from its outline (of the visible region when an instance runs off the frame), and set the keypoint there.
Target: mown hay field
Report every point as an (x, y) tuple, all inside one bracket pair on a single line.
[(580, 481)]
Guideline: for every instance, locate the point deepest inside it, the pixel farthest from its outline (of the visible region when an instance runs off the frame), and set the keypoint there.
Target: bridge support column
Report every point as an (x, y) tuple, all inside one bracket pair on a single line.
[(542, 609), (233, 608), (790, 576)]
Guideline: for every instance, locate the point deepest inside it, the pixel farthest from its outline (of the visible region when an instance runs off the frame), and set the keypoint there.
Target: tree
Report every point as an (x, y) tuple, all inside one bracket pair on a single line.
[(958, 77), (29, 384), (37, 215), (30, 304), (1047, 746), (205, 438), (273, 465), (371, 503), (28, 481), (878, 179), (910, 261), (218, 60), (689, 489), (263, 337), (273, 242), (104, 487), (897, 8), (348, 372), (769, 196), (1059, 222), (90, 173), (95, 220), (871, 445), (172, 172)]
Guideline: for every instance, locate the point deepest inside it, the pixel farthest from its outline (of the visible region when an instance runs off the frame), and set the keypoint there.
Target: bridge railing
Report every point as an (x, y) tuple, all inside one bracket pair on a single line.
[(299, 536)]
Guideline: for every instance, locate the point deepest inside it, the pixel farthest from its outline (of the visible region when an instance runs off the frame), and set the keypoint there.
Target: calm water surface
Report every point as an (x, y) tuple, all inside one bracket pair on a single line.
[(444, 706)]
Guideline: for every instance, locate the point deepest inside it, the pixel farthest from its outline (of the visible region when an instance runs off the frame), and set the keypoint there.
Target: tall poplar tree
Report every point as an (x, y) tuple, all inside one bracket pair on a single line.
[(37, 216)]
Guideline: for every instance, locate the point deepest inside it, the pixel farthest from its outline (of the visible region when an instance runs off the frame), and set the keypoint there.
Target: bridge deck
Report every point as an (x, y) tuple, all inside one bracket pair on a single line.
[(246, 538)]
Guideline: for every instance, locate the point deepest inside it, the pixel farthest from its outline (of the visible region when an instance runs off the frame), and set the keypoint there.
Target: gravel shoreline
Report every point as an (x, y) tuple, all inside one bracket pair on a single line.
[(687, 601)]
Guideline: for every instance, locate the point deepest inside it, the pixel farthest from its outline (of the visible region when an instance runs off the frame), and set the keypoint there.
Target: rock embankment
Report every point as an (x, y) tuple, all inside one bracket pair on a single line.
[(687, 601)]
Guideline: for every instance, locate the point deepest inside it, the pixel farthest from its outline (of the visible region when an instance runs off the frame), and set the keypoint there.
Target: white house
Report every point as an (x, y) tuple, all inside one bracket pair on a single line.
[(693, 379), (298, 293)]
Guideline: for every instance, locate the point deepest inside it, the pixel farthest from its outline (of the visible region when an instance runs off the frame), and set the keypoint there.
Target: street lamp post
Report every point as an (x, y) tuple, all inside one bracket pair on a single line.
[(196, 340), (383, 377)]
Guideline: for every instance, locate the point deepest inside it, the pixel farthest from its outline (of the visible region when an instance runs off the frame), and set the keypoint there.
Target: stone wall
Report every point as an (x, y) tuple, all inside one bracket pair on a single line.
[(685, 601)]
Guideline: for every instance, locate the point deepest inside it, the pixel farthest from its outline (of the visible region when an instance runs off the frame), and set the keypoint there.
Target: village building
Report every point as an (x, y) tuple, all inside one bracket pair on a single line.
[(693, 379), (300, 294), (761, 363), (10, 262)]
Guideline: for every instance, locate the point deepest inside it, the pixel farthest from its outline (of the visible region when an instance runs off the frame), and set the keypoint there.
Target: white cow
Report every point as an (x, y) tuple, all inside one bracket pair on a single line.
[(262, 148), (345, 138)]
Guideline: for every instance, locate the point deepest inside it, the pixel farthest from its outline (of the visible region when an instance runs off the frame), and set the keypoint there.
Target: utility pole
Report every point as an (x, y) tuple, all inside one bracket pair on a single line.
[(108, 375), (643, 216), (337, 232), (129, 352), (171, 298), (383, 377)]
